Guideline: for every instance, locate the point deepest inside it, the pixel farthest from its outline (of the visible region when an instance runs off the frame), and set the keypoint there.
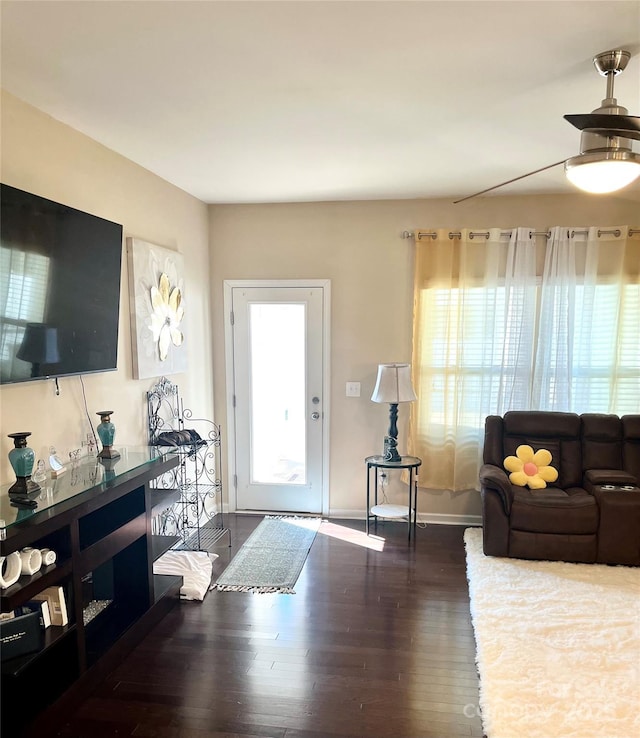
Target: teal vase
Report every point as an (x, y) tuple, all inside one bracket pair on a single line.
[(106, 433), (22, 459)]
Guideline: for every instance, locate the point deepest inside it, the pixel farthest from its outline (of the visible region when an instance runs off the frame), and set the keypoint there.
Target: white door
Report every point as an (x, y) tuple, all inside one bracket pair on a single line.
[(278, 339)]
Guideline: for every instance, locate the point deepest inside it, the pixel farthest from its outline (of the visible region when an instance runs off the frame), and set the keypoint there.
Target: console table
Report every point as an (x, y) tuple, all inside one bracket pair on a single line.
[(97, 518), (386, 510)]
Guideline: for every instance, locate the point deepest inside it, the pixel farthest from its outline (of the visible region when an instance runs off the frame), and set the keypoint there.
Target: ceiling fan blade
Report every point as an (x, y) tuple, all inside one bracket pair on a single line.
[(626, 126), (509, 181)]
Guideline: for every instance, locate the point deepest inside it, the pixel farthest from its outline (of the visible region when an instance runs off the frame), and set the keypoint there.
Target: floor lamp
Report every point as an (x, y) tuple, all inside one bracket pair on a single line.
[(393, 385)]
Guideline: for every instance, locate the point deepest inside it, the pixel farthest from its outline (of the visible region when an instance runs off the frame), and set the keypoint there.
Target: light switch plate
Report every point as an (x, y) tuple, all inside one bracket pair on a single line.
[(353, 389)]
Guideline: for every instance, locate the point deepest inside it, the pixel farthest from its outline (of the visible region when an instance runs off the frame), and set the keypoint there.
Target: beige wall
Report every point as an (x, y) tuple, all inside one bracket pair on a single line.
[(47, 158), (357, 245)]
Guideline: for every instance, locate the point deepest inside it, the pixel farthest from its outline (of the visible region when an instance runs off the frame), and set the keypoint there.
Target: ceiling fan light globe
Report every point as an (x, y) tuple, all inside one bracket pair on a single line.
[(603, 172)]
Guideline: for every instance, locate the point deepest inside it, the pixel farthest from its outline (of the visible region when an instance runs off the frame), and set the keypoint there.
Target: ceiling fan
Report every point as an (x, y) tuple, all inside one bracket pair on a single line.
[(606, 162)]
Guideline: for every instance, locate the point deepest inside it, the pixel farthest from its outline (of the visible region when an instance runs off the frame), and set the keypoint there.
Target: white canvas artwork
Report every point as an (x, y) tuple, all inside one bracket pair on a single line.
[(157, 305)]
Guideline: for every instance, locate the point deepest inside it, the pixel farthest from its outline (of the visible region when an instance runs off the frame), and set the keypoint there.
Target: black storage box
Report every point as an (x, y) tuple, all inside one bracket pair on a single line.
[(20, 635)]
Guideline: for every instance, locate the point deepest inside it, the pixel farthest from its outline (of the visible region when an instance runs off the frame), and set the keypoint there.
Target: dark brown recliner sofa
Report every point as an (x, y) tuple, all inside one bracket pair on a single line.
[(591, 513)]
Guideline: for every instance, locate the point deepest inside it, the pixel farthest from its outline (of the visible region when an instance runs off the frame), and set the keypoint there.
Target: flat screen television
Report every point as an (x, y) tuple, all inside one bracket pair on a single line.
[(59, 289)]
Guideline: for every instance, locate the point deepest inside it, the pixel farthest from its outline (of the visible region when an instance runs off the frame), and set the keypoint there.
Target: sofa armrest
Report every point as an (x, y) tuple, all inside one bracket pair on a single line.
[(617, 477), (494, 478)]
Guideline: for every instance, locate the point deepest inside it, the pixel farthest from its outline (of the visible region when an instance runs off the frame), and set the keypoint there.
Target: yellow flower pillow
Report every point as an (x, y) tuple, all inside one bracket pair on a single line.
[(530, 469)]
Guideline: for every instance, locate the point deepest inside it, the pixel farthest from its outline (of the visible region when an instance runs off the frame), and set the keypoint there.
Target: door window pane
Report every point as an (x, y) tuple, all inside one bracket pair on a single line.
[(277, 339)]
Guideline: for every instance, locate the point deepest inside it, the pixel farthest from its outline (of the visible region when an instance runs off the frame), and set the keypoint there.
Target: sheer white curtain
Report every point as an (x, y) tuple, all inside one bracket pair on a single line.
[(588, 350), (474, 330), (519, 322)]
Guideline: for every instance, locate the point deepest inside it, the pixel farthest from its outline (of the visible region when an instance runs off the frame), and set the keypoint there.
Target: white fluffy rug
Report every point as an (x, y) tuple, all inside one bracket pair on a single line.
[(558, 646)]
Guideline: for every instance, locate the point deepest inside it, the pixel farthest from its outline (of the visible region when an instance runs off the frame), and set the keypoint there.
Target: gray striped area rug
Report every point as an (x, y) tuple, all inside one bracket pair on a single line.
[(272, 558)]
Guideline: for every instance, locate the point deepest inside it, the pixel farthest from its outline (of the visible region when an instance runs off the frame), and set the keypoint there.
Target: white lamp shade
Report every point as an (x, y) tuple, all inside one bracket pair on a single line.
[(393, 384), (603, 172)]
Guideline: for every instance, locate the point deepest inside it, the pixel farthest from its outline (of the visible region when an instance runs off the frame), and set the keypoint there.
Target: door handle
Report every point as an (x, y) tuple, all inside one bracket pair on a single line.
[(315, 416)]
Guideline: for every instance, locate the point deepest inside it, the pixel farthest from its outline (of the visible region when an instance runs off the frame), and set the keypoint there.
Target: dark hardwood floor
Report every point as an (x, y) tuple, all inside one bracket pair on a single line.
[(374, 643)]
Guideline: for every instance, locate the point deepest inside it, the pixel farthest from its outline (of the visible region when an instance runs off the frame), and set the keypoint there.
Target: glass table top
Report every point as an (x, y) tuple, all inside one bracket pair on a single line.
[(404, 463), (85, 475)]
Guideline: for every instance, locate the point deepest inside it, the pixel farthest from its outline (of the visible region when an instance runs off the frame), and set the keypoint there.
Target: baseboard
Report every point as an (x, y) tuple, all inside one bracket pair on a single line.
[(347, 514), (430, 518), (447, 519)]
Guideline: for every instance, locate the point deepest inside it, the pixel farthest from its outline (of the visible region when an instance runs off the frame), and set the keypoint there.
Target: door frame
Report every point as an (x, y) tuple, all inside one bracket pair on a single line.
[(228, 286)]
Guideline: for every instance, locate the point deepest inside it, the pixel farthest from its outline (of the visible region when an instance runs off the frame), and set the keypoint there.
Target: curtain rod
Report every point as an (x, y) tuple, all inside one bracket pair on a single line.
[(485, 234), (457, 234)]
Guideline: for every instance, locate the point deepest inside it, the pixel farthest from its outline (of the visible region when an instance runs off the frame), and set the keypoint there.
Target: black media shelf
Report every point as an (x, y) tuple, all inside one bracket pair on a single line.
[(99, 524), (161, 544), (166, 585), (26, 587)]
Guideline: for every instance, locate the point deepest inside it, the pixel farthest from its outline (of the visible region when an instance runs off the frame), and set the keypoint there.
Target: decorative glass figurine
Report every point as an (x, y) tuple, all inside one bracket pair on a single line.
[(91, 444), (40, 474), (22, 458), (57, 467), (106, 433)]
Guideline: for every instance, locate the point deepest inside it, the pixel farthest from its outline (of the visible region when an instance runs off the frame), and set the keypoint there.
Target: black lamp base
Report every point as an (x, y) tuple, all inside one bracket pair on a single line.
[(391, 439), (390, 449)]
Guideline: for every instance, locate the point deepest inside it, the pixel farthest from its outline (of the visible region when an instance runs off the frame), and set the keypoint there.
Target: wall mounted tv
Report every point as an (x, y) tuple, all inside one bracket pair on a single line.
[(59, 289)]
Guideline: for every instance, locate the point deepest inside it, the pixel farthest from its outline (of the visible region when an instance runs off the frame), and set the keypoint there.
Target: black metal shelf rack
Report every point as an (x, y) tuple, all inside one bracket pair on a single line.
[(189, 497)]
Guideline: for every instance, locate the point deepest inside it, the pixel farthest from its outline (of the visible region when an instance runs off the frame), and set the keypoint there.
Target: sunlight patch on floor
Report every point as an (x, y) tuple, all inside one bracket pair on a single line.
[(357, 537)]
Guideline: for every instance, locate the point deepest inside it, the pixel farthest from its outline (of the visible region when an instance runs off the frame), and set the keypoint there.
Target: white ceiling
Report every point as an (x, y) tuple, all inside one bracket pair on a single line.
[(296, 101)]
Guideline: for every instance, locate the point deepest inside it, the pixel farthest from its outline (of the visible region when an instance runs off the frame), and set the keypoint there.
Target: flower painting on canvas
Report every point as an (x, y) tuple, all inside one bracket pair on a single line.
[(157, 306)]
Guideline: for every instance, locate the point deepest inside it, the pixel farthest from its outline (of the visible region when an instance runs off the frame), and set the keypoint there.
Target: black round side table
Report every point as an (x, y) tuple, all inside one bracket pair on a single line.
[(386, 510)]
